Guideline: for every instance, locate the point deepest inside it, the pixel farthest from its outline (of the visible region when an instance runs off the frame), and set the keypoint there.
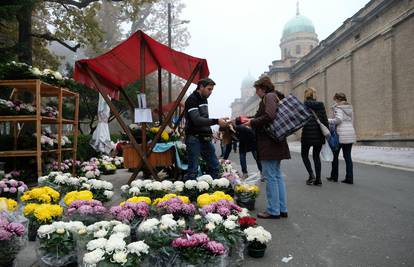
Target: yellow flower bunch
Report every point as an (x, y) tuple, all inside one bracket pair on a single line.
[(185, 199), (206, 199), (247, 188), (164, 135), (43, 212), (136, 200), (43, 194), (7, 204), (78, 195)]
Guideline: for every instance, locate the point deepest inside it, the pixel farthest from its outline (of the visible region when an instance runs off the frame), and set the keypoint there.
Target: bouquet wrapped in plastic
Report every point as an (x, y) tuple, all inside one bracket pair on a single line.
[(11, 239)]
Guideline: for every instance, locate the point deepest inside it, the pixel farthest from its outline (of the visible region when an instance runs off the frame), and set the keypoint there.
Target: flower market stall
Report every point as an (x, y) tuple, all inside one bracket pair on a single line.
[(130, 61)]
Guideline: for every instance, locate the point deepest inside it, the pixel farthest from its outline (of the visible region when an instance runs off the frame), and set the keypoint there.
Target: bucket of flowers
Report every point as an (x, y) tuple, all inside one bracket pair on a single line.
[(246, 195), (222, 184), (102, 190), (10, 187), (178, 206), (40, 214), (257, 238), (62, 182), (197, 249), (57, 244), (11, 239), (86, 211)]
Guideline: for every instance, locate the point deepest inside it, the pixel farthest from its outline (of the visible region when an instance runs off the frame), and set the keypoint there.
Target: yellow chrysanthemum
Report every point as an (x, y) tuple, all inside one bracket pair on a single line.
[(185, 199), (165, 136), (247, 188), (203, 199), (47, 212), (154, 129), (137, 199), (206, 198), (43, 194), (78, 195), (7, 204), (29, 208)]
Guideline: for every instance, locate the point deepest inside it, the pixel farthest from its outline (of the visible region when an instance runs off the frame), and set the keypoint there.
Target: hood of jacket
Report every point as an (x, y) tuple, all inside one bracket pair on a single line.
[(345, 107)]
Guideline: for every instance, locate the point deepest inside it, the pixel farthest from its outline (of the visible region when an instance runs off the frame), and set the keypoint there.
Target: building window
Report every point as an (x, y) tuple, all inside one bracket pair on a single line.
[(298, 49)]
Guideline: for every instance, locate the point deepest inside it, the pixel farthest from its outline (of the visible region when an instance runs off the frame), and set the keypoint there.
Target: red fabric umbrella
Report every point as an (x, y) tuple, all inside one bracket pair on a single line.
[(121, 66)]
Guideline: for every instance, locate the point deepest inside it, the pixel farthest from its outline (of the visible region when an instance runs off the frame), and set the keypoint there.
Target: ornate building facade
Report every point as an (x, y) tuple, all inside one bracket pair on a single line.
[(370, 58)]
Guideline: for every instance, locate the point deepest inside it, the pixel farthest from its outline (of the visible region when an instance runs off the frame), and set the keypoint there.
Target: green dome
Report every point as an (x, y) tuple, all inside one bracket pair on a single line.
[(298, 24)]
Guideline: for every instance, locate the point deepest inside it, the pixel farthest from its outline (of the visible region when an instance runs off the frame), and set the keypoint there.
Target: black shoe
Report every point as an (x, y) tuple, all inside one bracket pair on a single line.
[(283, 214), (347, 182), (311, 180), (265, 215), (317, 182), (330, 179)]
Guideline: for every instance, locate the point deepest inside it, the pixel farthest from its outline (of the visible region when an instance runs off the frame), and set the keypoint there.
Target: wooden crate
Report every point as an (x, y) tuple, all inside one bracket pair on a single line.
[(132, 160)]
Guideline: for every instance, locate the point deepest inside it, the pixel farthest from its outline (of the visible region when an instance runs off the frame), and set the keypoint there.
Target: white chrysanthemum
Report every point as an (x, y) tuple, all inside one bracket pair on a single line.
[(197, 217), (45, 230), (232, 217), (168, 221), (156, 185), (86, 186), (210, 226), (74, 226), (206, 178), (243, 213), (57, 75), (120, 257), (166, 185), (108, 194), (178, 186), (59, 224), (122, 228), (258, 234), (134, 191), (181, 223), (138, 248), (96, 243), (42, 179), (148, 226), (137, 183), (125, 188), (115, 243), (202, 186), (190, 184), (60, 179), (229, 224), (222, 182), (146, 181), (214, 218), (90, 174), (94, 257), (36, 71), (100, 233)]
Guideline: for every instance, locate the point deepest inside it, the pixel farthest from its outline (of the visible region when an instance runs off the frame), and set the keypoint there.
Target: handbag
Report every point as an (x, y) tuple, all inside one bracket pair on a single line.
[(326, 153), (291, 115), (325, 131), (333, 139)]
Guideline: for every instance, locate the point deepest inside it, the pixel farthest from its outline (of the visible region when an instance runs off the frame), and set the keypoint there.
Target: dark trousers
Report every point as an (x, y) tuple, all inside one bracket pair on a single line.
[(304, 151), (346, 152), (243, 162), (227, 150)]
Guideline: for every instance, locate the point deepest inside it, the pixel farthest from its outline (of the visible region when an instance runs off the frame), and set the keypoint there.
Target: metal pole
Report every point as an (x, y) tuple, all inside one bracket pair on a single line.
[(169, 45)]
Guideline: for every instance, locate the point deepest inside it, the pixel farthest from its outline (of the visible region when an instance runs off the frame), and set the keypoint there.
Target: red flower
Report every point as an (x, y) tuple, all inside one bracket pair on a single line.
[(246, 222)]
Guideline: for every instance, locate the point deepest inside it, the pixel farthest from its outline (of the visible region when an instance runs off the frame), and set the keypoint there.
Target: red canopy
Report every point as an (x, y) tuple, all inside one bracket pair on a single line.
[(121, 66)]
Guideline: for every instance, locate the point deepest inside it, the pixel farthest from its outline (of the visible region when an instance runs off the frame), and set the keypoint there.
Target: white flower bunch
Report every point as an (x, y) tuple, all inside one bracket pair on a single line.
[(178, 186), (45, 140), (167, 222), (190, 184), (138, 248), (258, 234), (99, 184), (104, 228), (149, 226), (214, 218), (202, 186), (229, 224), (221, 183), (60, 228), (206, 178), (167, 185), (243, 213)]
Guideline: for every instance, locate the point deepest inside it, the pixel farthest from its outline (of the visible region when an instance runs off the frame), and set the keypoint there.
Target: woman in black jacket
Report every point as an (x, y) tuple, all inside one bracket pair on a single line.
[(312, 136)]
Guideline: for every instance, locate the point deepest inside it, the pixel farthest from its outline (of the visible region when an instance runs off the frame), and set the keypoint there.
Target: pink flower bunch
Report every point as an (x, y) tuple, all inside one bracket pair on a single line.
[(8, 230), (50, 112), (86, 207), (12, 186), (64, 165), (191, 240), (130, 211), (222, 207), (177, 207)]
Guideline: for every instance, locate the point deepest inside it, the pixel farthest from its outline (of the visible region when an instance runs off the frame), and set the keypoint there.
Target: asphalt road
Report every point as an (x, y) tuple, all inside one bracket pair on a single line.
[(370, 223)]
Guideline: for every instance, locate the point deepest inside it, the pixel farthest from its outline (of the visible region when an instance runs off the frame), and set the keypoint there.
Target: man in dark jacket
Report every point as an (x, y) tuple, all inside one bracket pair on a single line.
[(198, 131)]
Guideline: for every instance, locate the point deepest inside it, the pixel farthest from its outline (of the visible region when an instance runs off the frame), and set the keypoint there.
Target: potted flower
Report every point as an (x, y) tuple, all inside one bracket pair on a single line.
[(101, 190), (57, 244), (246, 222), (11, 234), (10, 187), (39, 214), (63, 182), (7, 204), (222, 184), (257, 238), (246, 195), (177, 206), (132, 213), (43, 194), (86, 211), (77, 195)]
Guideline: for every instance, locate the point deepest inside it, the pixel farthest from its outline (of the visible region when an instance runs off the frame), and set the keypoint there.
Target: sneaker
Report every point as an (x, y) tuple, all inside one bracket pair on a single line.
[(245, 175)]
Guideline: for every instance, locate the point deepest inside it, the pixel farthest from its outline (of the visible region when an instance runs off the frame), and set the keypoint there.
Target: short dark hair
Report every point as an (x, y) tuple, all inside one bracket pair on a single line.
[(205, 82), (265, 84)]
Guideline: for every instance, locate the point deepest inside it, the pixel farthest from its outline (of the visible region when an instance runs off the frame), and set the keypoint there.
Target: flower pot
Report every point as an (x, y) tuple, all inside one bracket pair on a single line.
[(248, 204), (8, 251), (256, 252), (32, 231)]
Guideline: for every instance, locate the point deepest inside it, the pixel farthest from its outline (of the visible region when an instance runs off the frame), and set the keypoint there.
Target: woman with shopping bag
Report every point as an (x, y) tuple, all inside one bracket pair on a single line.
[(313, 136)]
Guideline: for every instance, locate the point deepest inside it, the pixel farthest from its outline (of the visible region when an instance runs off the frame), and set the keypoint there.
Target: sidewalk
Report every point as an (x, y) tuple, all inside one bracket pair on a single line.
[(390, 157)]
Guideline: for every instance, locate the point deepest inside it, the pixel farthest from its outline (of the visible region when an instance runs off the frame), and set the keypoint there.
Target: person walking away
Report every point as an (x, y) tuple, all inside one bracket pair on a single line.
[(343, 120), (270, 152), (247, 143), (312, 136), (198, 131)]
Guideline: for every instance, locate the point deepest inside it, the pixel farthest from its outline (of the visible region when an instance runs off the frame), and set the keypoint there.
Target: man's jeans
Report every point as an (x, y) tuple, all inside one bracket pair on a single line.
[(205, 149), (275, 187), (243, 162)]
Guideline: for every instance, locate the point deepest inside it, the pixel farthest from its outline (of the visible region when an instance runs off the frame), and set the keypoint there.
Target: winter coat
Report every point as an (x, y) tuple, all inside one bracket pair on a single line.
[(267, 148), (311, 132), (343, 119)]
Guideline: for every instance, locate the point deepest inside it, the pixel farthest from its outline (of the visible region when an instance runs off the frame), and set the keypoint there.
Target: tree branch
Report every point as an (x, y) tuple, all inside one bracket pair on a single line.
[(81, 4), (49, 37)]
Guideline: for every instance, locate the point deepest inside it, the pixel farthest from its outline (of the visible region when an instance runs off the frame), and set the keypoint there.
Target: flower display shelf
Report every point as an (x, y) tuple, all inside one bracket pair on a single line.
[(41, 89), (132, 160)]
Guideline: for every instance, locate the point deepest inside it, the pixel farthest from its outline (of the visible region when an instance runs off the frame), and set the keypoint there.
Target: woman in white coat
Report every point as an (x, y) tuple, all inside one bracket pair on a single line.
[(343, 120)]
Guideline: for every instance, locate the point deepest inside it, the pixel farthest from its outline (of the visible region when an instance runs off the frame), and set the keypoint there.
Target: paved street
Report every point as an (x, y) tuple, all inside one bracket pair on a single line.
[(370, 223)]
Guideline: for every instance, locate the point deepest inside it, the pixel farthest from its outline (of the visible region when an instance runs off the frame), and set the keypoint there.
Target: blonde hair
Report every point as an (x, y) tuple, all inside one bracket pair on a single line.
[(310, 93)]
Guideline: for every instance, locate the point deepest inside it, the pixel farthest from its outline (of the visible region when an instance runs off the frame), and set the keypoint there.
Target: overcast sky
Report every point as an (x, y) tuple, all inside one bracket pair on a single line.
[(238, 36)]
